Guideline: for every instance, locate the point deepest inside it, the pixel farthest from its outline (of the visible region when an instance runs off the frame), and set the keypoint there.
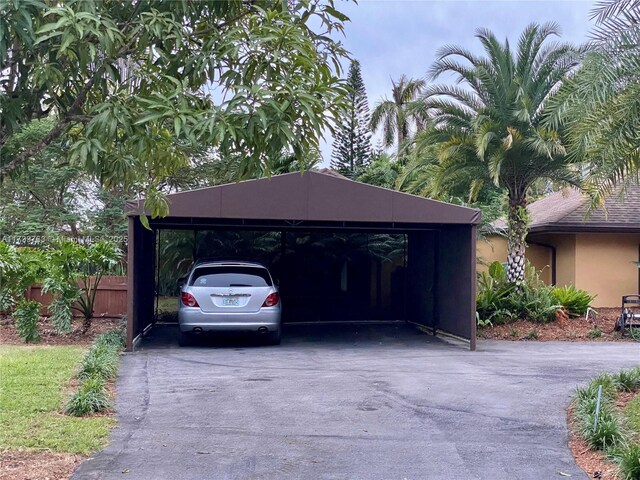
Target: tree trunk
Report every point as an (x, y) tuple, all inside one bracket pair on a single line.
[(517, 228), (400, 139)]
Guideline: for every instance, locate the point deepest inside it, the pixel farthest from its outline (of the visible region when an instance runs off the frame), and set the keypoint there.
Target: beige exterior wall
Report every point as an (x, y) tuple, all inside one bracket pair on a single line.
[(494, 248), (602, 264), (605, 266), (489, 250), (565, 258)]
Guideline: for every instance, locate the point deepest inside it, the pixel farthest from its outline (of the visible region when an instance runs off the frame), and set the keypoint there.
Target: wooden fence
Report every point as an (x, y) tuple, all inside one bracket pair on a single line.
[(111, 298)]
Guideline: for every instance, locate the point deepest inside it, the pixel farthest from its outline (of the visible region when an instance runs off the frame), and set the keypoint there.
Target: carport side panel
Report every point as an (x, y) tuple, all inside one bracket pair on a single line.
[(421, 273), (140, 280), (457, 282)]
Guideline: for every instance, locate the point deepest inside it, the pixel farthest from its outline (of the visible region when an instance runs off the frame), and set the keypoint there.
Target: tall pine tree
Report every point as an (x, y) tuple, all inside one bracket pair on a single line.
[(352, 139)]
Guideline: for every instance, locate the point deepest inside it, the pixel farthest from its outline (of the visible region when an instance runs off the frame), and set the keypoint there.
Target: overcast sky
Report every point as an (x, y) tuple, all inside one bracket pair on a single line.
[(392, 37)]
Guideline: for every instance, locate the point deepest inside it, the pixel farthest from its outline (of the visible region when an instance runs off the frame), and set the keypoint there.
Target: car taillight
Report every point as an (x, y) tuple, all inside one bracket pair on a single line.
[(271, 300), (189, 300)]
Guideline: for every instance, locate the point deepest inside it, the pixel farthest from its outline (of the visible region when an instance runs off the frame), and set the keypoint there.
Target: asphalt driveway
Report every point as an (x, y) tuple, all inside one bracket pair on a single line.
[(366, 403)]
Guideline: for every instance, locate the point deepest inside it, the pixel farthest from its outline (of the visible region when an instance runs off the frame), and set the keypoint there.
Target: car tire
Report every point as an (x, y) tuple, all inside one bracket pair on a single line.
[(184, 339), (274, 338)]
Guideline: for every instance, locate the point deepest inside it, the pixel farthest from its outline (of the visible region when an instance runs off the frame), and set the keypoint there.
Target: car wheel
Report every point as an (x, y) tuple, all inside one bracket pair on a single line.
[(274, 338), (184, 339)]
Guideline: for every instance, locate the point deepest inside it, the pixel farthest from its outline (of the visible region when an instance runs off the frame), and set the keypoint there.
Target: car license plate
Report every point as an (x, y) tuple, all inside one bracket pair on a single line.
[(230, 301)]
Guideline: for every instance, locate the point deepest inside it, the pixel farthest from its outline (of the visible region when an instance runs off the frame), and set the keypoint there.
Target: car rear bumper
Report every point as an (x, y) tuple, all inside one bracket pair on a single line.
[(194, 318)]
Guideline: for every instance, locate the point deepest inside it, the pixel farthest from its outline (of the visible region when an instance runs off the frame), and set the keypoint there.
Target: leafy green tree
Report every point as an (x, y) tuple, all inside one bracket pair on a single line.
[(398, 115), (131, 85), (73, 274), (20, 269), (352, 137), (383, 171), (493, 129), (235, 169), (600, 106), (49, 196)]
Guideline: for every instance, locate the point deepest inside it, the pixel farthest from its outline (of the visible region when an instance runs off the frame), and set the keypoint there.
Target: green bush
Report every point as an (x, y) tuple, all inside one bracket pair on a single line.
[(99, 364), (26, 316), (607, 432), (575, 302), (90, 398), (534, 303), (595, 332), (499, 301), (590, 392), (493, 291), (628, 459), (100, 361), (611, 433), (628, 380), (114, 338)]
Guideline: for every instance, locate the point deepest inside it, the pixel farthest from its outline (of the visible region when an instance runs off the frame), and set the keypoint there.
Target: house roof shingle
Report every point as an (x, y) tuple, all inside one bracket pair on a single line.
[(568, 211)]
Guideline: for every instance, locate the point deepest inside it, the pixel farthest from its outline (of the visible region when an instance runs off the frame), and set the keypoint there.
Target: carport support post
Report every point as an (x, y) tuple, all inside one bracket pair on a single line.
[(474, 286), (131, 272)]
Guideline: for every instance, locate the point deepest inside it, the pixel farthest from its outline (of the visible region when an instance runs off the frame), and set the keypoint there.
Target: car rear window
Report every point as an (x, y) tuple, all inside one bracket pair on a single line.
[(230, 277)]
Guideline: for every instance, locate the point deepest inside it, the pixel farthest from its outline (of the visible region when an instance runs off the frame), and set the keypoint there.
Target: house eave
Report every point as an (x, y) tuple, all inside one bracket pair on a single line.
[(568, 228)]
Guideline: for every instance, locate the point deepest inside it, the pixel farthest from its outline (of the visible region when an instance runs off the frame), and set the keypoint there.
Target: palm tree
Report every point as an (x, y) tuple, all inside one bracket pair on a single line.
[(600, 106), (492, 130), (397, 115)]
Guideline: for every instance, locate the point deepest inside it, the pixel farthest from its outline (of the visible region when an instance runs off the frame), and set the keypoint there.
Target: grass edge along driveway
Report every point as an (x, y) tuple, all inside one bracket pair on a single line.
[(34, 384)]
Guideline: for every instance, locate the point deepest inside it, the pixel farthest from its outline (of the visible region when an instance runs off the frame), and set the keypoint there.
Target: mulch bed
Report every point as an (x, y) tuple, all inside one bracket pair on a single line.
[(33, 465), (563, 329), (9, 336)]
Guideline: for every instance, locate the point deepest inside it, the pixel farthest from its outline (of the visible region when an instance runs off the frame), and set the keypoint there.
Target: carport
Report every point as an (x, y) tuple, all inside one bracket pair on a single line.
[(433, 287)]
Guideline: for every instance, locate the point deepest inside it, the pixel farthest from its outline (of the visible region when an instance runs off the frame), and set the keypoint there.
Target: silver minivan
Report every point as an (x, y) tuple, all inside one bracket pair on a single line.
[(229, 296)]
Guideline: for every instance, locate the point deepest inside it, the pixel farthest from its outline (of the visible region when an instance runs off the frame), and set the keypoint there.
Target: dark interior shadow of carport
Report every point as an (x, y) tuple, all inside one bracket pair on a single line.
[(329, 335)]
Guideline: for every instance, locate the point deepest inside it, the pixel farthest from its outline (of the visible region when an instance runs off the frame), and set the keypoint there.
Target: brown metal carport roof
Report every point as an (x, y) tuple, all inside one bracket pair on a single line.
[(315, 196), (441, 238)]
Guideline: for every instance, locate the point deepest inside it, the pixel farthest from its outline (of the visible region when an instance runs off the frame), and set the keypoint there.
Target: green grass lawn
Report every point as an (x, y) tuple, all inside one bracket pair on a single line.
[(33, 382), (632, 412), (167, 304)]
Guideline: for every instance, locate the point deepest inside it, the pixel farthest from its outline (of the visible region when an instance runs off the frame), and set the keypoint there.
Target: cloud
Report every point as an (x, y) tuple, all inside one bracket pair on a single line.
[(391, 37)]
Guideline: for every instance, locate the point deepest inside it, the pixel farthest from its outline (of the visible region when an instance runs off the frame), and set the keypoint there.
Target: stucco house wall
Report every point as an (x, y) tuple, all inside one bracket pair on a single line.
[(596, 251), (494, 248), (603, 264)]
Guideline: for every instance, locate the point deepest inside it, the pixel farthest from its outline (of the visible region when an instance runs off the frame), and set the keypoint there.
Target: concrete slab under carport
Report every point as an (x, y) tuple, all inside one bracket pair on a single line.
[(363, 402)]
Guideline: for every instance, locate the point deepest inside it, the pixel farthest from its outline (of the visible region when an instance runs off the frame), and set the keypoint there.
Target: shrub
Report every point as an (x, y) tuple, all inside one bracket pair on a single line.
[(607, 432), (575, 302), (493, 291), (499, 301), (595, 332), (628, 380), (628, 460), (590, 392), (534, 303), (99, 364), (90, 398), (114, 338), (100, 361), (533, 334), (26, 315)]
